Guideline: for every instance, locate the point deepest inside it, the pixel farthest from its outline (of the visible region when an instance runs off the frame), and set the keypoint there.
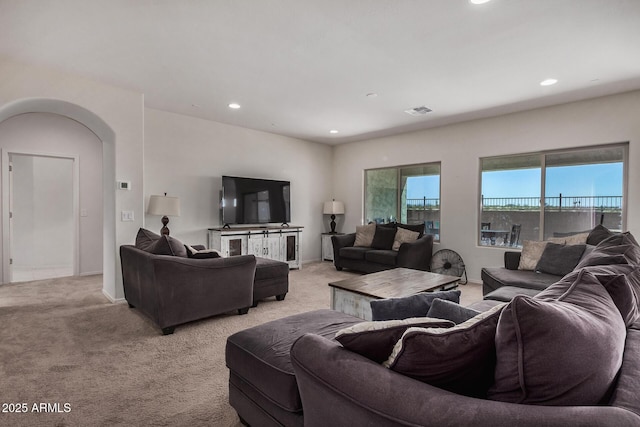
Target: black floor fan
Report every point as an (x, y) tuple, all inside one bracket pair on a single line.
[(446, 261)]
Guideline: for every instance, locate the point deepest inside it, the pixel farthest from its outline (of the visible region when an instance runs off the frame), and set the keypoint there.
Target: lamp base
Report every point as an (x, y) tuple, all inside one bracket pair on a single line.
[(164, 230), (333, 224)]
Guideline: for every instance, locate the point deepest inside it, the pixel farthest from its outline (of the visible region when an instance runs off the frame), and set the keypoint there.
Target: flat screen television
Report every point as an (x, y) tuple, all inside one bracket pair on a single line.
[(255, 201)]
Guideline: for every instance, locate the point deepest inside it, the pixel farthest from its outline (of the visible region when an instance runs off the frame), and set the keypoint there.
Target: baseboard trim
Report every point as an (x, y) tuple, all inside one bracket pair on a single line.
[(113, 300), (90, 273)]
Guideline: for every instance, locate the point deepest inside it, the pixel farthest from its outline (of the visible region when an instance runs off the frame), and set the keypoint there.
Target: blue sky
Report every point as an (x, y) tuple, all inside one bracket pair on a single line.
[(584, 180)]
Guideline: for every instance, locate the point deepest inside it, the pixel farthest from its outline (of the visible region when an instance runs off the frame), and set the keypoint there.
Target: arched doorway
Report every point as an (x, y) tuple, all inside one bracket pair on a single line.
[(104, 132)]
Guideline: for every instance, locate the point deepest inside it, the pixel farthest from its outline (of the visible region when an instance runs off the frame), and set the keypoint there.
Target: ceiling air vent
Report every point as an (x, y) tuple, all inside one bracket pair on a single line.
[(418, 111)]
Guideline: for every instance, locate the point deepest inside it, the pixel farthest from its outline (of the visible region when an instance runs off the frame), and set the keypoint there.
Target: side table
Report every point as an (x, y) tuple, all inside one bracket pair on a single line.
[(327, 246)]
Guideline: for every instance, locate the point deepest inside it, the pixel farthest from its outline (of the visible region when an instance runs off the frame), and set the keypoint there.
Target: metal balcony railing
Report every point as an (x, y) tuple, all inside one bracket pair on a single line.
[(559, 203), (423, 203)]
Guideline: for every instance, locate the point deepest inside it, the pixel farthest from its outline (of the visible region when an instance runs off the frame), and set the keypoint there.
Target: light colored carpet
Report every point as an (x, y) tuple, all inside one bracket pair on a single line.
[(63, 342)]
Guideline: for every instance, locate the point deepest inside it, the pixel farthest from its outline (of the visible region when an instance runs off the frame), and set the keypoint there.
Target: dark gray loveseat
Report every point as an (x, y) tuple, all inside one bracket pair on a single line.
[(381, 256)]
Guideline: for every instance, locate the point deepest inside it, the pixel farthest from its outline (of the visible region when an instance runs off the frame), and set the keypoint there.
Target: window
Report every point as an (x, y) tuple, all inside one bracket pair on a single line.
[(407, 194), (581, 188)]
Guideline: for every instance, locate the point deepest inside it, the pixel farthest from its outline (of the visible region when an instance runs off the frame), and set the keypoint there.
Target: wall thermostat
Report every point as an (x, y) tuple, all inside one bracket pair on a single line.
[(124, 185)]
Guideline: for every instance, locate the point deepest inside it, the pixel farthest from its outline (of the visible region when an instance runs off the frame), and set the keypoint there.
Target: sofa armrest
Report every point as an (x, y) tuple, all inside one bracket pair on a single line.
[(417, 254), (204, 287), (338, 242), (512, 260), (337, 385)]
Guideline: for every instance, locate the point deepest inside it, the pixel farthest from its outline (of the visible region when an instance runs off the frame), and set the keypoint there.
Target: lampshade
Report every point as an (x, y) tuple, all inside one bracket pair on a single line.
[(164, 205), (333, 208)]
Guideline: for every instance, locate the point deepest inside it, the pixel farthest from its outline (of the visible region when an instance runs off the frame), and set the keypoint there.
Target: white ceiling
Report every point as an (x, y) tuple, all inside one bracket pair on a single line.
[(303, 67)]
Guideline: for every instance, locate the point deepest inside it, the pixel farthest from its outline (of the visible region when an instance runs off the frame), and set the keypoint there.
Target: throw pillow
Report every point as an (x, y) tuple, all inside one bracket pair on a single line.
[(145, 238), (383, 237), (404, 236), (375, 340), (531, 253), (622, 254), (598, 234), (618, 239), (460, 359), (168, 245), (412, 306), (202, 254), (364, 235), (448, 310), (414, 227), (624, 296), (622, 282), (564, 351), (577, 239), (559, 259)]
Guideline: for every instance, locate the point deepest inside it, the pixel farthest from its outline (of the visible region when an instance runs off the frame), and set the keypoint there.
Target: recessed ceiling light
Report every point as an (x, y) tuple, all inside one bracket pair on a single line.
[(418, 111), (548, 82), (479, 1), (333, 131), (234, 105), (372, 95)]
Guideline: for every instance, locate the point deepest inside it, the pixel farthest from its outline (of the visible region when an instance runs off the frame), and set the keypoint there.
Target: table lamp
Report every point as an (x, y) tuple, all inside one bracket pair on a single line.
[(165, 206), (333, 208)]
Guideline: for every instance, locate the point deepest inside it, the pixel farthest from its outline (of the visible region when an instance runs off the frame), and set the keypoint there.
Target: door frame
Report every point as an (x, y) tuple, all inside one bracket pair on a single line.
[(6, 226)]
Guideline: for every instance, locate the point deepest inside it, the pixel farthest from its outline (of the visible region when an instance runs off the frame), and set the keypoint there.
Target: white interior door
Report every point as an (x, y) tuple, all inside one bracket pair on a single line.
[(42, 229)]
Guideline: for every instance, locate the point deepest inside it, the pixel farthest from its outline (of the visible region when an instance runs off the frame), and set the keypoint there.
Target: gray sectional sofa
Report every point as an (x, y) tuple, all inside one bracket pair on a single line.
[(531, 281), (567, 356)]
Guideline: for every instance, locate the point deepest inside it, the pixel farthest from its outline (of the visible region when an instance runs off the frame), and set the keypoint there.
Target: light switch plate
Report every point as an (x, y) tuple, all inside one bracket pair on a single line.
[(127, 216)]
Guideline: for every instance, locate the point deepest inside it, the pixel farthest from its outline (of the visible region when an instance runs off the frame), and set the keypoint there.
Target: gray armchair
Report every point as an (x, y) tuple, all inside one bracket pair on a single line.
[(173, 290)]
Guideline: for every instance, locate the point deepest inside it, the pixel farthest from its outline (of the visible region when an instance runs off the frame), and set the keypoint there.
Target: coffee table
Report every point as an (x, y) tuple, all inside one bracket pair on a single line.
[(352, 296)]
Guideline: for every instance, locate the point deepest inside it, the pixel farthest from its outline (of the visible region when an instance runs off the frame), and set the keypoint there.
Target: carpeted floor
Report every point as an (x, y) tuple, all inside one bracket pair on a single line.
[(102, 364)]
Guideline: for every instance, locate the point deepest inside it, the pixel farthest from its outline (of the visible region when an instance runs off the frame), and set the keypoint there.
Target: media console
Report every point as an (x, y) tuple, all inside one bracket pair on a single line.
[(279, 243)]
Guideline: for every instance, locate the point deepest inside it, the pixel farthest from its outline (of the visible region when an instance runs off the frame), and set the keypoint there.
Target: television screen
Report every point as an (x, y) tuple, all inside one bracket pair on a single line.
[(255, 201)]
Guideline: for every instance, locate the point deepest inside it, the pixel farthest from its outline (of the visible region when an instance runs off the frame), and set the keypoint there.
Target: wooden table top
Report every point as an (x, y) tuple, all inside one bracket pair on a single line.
[(395, 283)]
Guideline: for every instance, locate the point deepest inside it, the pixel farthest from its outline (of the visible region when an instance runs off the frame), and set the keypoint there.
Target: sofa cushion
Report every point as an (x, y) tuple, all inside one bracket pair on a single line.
[(449, 310), (167, 245), (404, 236), (354, 252), (386, 257), (460, 359), (364, 235), (412, 306), (507, 293), (598, 234), (270, 269), (531, 252), (495, 277), (559, 259), (145, 238), (375, 340), (559, 351), (383, 237), (260, 355)]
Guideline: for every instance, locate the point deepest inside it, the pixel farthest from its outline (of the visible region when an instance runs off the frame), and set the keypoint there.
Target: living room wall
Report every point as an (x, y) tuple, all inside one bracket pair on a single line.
[(460, 146), (186, 157)]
